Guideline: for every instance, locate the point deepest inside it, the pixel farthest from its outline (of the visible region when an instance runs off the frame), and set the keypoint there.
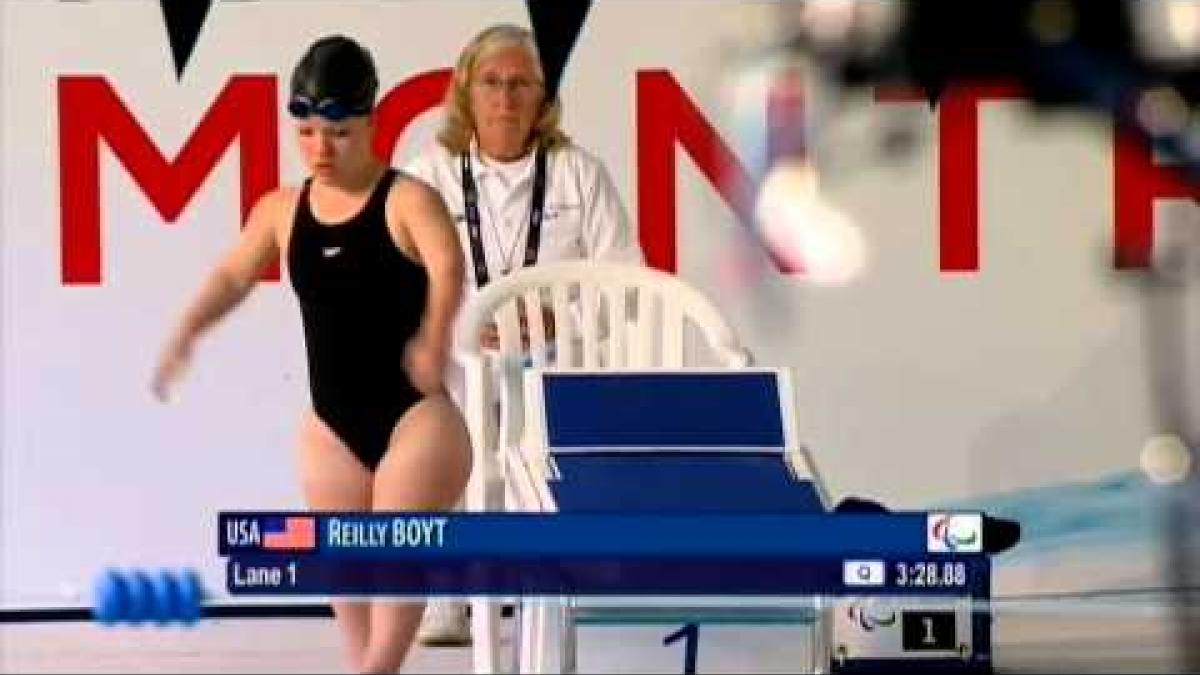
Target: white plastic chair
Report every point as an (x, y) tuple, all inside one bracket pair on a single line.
[(605, 315)]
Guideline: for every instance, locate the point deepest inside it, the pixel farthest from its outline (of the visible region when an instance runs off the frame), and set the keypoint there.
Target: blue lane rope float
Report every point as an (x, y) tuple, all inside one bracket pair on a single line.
[(138, 596)]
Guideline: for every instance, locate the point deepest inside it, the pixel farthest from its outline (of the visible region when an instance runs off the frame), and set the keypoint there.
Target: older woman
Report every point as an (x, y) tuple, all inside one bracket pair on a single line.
[(520, 192)]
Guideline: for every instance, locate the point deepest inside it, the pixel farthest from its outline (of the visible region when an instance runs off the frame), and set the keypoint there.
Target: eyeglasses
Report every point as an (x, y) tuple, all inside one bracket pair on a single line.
[(302, 107), (493, 85)]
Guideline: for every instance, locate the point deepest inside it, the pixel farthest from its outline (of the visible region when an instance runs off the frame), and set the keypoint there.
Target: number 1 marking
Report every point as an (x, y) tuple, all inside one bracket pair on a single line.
[(928, 622), (691, 633)]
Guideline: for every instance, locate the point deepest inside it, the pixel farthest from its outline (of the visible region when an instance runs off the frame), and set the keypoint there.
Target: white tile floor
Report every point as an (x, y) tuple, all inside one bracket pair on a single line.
[(1023, 643)]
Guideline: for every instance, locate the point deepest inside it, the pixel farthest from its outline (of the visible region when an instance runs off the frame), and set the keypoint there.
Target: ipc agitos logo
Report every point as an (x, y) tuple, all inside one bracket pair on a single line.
[(869, 617), (954, 533)]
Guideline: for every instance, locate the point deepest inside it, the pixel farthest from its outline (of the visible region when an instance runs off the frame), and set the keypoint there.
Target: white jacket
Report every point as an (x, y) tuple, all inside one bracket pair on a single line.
[(583, 215)]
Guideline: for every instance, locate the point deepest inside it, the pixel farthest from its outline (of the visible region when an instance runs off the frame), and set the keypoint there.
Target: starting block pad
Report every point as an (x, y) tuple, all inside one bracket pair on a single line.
[(703, 442)]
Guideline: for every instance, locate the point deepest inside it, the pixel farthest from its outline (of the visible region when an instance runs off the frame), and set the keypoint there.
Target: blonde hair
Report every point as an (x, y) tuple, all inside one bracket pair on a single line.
[(458, 127)]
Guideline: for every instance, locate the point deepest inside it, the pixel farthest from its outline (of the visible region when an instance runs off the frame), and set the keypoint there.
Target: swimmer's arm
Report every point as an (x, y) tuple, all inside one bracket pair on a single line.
[(236, 274), (432, 233)]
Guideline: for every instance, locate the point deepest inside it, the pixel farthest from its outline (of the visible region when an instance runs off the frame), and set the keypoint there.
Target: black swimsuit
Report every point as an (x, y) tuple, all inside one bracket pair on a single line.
[(361, 299)]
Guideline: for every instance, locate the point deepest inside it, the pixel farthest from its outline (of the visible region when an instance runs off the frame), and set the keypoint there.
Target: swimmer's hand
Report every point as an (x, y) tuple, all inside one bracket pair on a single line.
[(171, 366), (425, 361)]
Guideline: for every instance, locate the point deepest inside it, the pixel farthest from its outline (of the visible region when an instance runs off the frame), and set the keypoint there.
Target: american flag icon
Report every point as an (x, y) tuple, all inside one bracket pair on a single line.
[(291, 533)]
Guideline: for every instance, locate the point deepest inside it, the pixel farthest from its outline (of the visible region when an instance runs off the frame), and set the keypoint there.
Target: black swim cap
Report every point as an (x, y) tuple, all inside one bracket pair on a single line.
[(337, 68)]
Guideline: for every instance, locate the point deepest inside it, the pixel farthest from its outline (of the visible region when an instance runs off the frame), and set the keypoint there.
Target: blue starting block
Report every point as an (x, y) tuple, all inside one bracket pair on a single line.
[(698, 442)]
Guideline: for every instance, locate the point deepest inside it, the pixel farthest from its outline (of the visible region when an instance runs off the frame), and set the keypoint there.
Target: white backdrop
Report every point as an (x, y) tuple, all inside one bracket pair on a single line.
[(915, 386)]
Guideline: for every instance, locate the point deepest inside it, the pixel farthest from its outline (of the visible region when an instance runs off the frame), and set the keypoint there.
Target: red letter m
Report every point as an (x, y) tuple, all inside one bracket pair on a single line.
[(89, 110)]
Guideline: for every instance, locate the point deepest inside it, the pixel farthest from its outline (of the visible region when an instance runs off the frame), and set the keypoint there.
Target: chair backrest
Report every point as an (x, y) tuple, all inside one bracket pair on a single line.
[(605, 315), (686, 439)]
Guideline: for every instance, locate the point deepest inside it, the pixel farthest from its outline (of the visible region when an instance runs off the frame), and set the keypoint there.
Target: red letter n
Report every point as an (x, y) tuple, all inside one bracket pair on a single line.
[(665, 115)]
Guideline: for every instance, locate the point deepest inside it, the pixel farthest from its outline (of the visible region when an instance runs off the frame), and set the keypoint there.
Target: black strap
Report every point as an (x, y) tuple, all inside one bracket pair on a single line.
[(537, 201)]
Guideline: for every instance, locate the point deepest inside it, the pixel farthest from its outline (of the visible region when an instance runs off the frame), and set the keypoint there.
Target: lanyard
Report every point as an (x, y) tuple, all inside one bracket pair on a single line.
[(471, 202)]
